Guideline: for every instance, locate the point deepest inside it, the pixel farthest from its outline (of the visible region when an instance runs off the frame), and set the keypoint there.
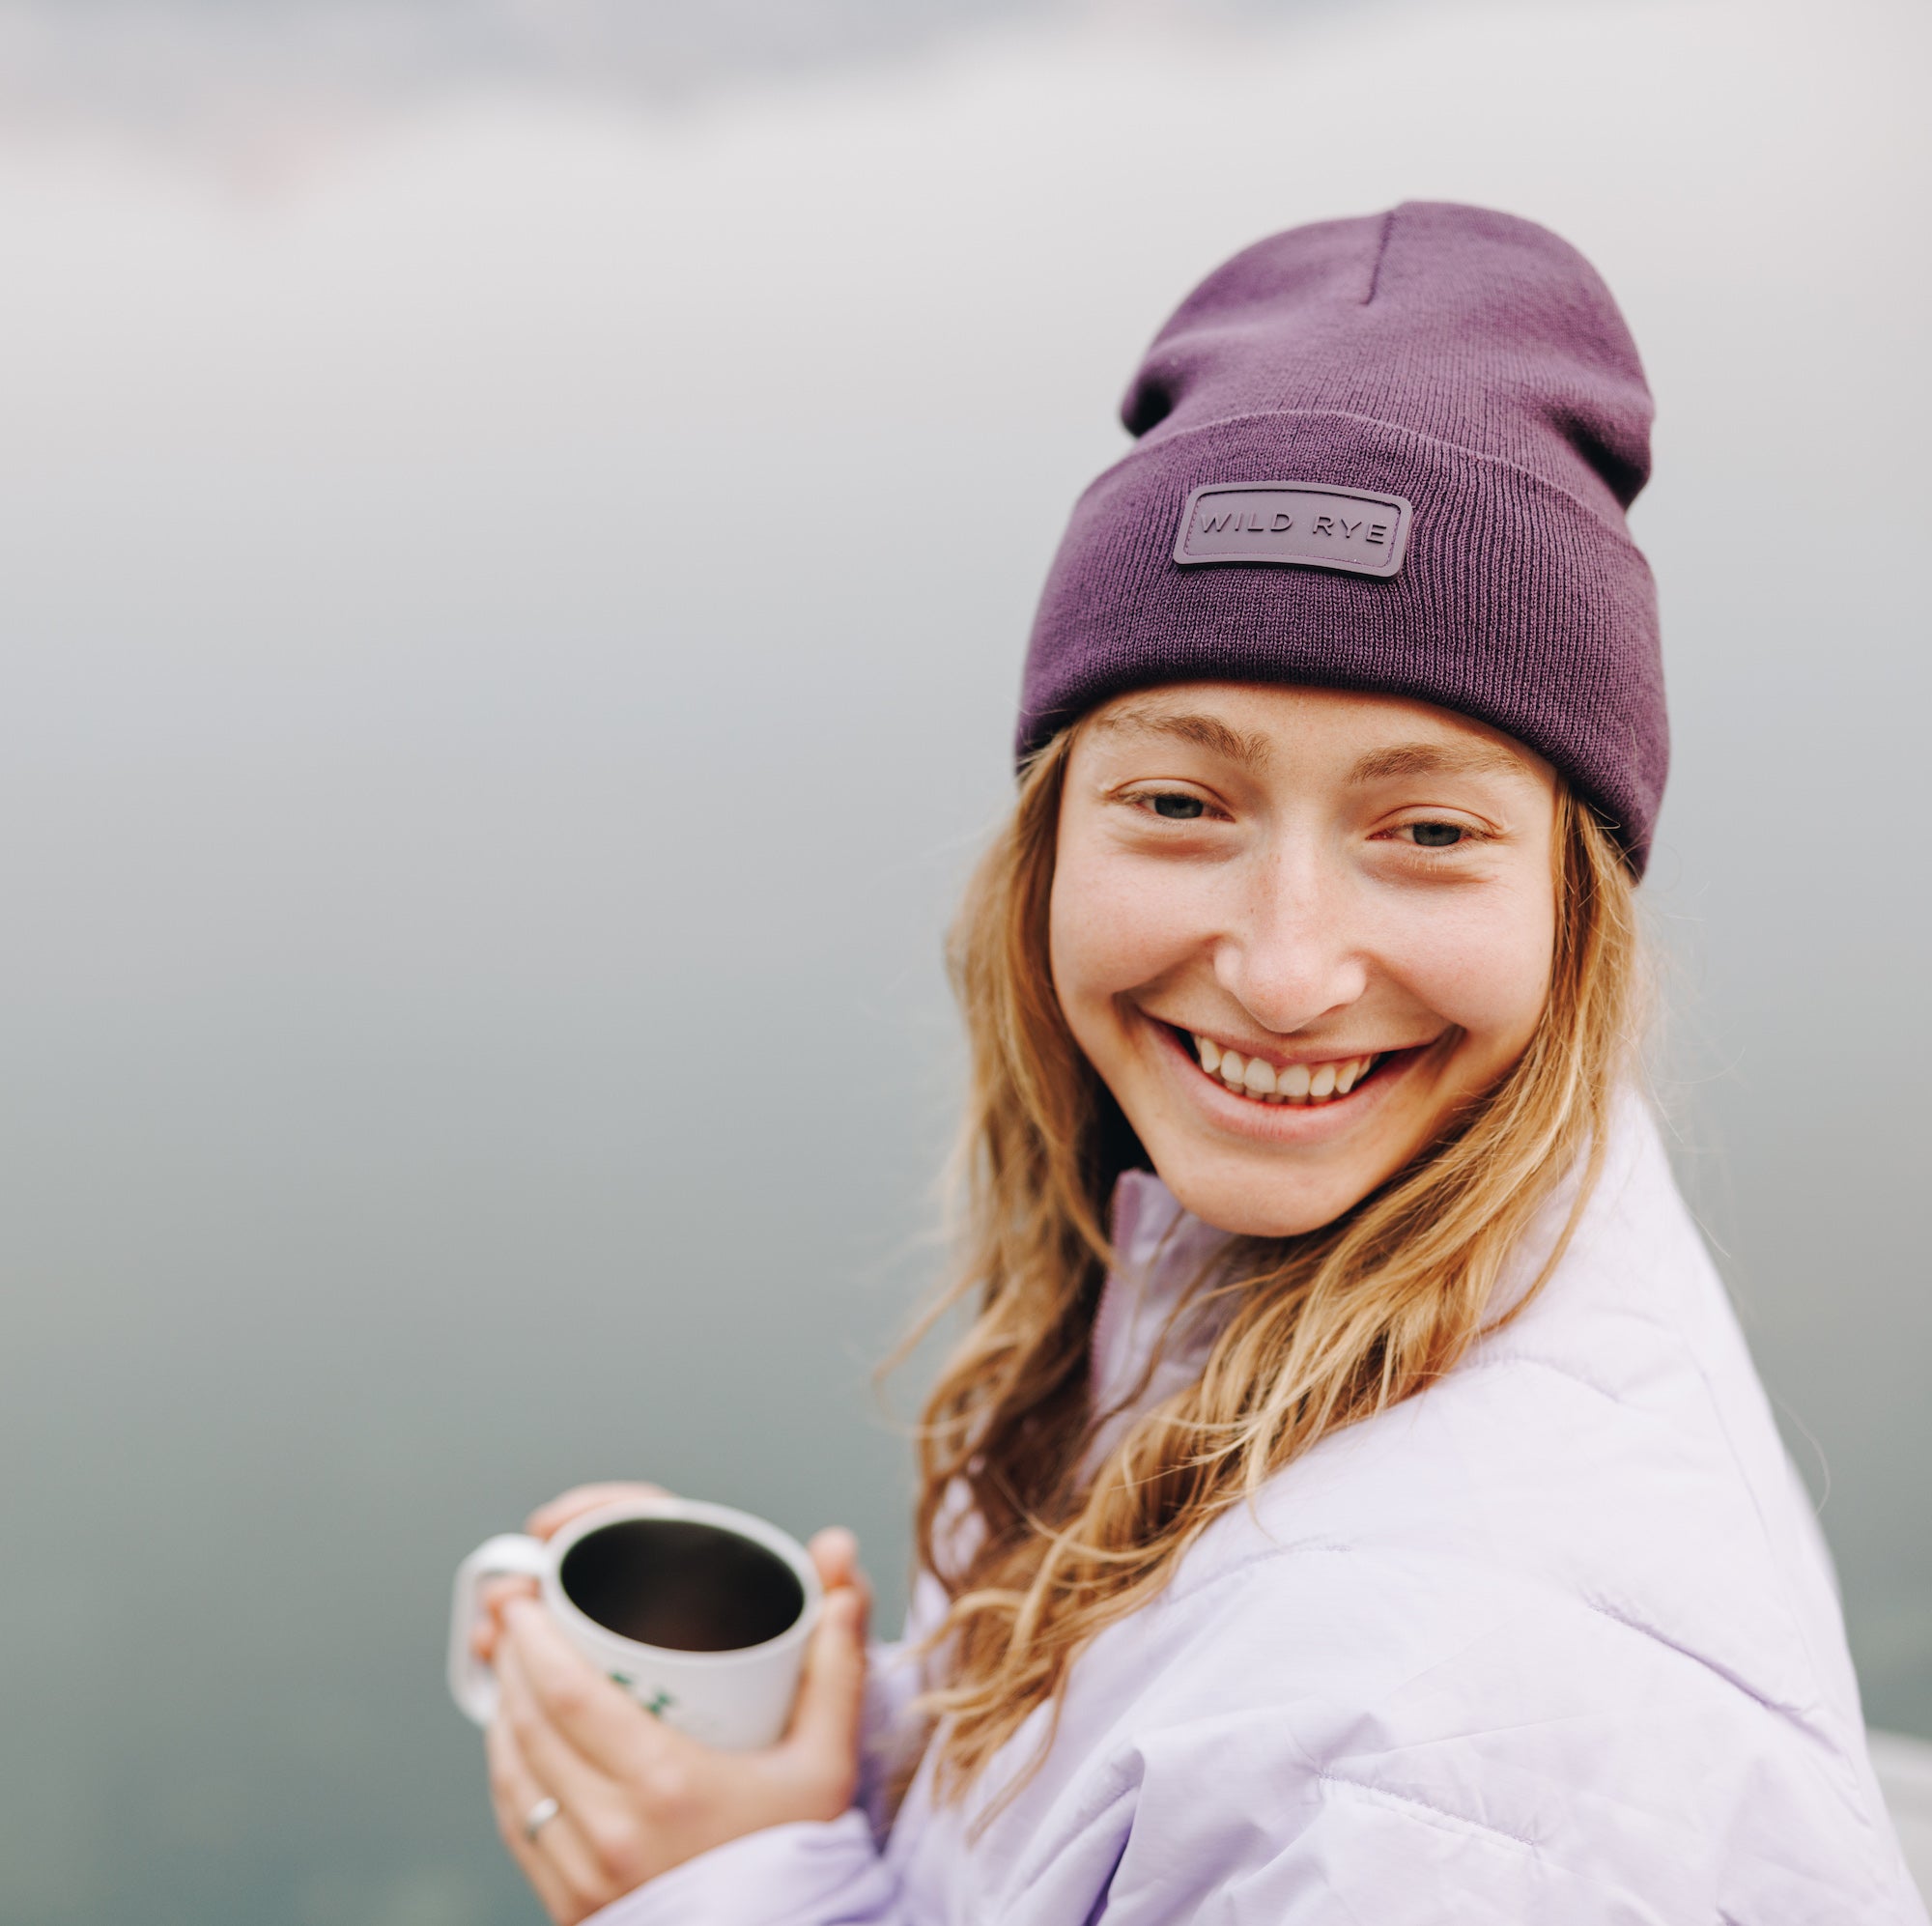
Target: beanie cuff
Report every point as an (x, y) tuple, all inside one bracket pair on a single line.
[(1516, 601)]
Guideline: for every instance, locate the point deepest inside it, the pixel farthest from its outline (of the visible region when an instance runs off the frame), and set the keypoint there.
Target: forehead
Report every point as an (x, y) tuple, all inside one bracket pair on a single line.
[(1268, 726)]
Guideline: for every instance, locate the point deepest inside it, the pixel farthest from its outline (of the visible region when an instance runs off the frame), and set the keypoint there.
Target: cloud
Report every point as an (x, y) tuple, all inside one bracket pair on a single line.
[(206, 64)]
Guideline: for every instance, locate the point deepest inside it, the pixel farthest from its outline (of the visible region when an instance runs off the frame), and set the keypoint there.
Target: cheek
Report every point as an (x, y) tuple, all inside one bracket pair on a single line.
[(1487, 970), (1112, 927)]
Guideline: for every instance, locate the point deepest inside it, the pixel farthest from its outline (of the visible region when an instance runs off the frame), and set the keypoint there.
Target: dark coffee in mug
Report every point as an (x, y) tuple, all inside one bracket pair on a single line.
[(681, 1585)]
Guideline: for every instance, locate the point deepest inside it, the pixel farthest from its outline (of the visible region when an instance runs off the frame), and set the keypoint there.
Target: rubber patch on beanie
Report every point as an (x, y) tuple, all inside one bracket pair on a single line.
[(1301, 524)]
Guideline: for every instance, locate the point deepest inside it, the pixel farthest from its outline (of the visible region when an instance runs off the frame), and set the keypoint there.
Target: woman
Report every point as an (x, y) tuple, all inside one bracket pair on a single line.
[(1353, 1500)]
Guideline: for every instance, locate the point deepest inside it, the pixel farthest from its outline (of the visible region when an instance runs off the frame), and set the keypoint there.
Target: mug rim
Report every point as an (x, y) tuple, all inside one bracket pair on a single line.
[(694, 1510)]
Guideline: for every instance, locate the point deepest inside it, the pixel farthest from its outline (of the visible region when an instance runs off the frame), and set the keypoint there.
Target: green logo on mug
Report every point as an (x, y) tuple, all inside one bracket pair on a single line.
[(657, 1704)]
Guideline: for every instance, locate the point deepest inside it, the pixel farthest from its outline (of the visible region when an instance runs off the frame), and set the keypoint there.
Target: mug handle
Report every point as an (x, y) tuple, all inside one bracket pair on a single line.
[(473, 1685)]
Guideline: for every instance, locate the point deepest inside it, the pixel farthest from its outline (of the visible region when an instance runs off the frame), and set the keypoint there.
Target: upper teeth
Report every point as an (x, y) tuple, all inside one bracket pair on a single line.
[(1296, 1083)]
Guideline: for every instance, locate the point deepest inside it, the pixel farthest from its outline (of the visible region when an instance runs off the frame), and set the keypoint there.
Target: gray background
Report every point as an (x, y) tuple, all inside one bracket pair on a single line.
[(516, 527)]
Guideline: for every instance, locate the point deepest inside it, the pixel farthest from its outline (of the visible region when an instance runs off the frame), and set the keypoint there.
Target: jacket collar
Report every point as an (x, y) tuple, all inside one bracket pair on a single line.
[(1144, 1345), (1142, 1350)]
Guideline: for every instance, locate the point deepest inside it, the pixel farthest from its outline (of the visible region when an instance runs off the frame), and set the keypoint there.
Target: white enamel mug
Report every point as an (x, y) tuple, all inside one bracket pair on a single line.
[(736, 1699)]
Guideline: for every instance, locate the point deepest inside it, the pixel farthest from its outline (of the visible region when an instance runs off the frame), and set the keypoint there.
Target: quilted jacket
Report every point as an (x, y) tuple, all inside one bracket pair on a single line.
[(1554, 1643)]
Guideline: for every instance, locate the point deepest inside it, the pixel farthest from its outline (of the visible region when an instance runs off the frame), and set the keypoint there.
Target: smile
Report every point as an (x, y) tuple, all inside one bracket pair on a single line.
[(1294, 1084)]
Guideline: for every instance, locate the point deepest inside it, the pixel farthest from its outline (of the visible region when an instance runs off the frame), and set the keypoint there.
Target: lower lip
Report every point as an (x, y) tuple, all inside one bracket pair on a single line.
[(1287, 1122)]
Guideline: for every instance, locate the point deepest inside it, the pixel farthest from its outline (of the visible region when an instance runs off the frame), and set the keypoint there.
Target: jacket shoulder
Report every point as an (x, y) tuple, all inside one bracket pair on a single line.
[(1572, 1591), (1607, 1448)]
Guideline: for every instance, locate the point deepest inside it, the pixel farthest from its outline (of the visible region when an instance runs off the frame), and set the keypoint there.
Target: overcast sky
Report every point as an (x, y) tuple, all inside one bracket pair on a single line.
[(243, 61)]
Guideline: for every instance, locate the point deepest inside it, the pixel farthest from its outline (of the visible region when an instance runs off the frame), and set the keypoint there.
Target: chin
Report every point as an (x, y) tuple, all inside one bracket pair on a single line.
[(1270, 1203)]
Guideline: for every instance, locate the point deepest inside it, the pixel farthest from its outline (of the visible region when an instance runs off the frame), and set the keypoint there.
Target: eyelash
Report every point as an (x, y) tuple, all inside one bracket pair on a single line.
[(1466, 836), (1146, 802)]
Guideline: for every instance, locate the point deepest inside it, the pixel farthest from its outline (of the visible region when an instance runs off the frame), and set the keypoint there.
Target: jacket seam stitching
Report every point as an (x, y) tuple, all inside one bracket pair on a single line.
[(1504, 1359), (1784, 1708), (1460, 1821), (1243, 1567)]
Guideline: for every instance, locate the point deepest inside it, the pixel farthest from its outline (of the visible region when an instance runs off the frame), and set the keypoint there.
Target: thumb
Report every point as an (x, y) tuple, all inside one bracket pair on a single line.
[(832, 1695)]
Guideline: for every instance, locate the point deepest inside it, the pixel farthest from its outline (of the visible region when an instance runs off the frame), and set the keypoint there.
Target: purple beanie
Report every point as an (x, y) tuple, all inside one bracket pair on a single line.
[(1393, 454)]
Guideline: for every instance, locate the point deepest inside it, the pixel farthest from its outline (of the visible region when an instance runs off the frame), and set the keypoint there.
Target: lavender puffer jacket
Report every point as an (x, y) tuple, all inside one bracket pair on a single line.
[(1554, 1643)]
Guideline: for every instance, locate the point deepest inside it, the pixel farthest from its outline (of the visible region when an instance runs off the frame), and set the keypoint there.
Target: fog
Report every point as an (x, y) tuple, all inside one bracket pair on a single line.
[(513, 571)]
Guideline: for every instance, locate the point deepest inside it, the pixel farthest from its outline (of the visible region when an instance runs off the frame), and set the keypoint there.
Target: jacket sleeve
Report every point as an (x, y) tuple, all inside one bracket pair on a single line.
[(812, 1873)]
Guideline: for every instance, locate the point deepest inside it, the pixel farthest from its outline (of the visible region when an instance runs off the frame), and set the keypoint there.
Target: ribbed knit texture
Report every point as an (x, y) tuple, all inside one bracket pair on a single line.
[(1469, 361)]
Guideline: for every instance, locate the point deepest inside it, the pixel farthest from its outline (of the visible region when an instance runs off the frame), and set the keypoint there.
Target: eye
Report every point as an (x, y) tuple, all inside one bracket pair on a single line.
[(1178, 808), (1436, 835)]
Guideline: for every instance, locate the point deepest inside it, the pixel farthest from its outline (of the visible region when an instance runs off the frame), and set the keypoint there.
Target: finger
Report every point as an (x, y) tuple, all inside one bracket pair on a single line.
[(827, 1718), (834, 1554), (490, 1598), (548, 1520), (587, 1792), (557, 1863), (493, 1593), (601, 1721), (834, 1551)]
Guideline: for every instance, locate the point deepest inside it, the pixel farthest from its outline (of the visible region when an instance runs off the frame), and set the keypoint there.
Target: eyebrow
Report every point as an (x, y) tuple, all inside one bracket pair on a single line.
[(1400, 759), (1207, 732)]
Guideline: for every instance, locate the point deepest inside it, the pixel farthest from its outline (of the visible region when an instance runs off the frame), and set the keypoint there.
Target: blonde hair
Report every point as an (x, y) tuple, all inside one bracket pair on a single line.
[(1323, 1330)]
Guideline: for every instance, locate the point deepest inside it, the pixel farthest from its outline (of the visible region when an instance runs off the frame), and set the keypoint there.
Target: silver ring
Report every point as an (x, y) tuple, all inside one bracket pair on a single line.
[(538, 1817)]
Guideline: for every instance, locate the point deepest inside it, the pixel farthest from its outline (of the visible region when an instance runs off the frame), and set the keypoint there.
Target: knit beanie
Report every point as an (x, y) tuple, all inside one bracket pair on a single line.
[(1392, 454)]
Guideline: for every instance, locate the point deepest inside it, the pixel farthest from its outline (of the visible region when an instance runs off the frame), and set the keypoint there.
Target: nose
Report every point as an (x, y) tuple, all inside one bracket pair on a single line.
[(1292, 955)]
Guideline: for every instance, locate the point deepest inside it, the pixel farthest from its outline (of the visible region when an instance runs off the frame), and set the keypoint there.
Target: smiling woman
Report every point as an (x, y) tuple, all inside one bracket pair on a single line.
[(1352, 1498)]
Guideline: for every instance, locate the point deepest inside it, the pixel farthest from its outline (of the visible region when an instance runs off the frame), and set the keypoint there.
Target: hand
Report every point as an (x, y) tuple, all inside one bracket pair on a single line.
[(636, 1797)]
